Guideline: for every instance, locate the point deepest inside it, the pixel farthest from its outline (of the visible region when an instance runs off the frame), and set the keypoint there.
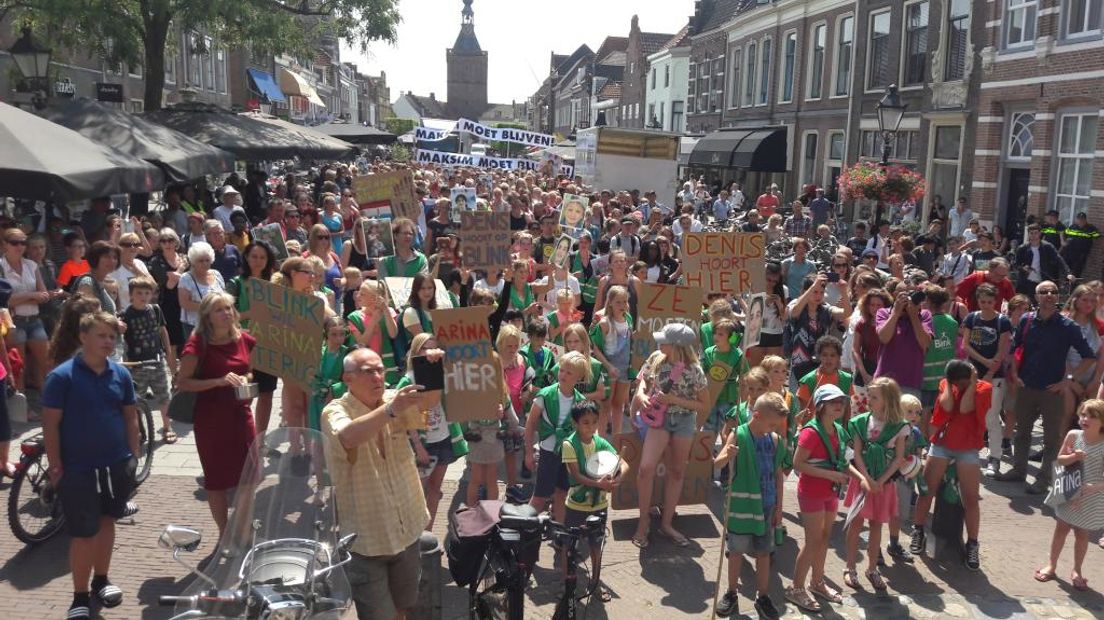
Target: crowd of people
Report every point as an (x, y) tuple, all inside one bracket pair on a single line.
[(901, 358)]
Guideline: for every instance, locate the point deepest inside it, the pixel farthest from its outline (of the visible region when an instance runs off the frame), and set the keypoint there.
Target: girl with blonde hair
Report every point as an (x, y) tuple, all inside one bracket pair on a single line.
[(611, 337)]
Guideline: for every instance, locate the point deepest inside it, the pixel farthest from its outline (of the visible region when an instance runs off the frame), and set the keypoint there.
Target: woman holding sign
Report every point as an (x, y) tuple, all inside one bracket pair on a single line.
[(672, 392), (297, 274)]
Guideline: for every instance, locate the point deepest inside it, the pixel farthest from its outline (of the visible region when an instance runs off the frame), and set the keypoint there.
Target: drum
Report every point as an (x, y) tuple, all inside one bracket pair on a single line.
[(602, 464), (910, 468)]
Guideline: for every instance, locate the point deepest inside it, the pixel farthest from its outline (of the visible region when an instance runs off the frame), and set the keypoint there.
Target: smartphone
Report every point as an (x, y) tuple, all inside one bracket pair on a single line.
[(916, 297), (833, 276)]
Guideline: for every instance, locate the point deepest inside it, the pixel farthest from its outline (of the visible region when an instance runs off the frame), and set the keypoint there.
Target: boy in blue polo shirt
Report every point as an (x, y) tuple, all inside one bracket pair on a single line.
[(90, 426)]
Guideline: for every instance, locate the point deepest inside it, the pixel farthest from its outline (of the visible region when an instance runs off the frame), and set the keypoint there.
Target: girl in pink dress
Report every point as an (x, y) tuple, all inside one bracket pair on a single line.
[(878, 440)]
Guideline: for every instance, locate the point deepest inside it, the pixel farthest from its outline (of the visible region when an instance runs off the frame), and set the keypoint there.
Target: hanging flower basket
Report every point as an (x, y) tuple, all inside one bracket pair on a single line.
[(870, 181)]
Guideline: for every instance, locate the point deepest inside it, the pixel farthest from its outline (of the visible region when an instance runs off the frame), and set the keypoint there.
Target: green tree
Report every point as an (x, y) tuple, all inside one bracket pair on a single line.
[(398, 126), (137, 31)]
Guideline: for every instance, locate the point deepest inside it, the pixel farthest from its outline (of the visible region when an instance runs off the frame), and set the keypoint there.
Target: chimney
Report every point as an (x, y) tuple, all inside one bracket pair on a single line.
[(432, 96)]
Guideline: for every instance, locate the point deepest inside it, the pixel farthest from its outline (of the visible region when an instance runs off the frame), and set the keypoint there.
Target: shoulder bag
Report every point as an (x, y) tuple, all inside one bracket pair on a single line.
[(182, 404)]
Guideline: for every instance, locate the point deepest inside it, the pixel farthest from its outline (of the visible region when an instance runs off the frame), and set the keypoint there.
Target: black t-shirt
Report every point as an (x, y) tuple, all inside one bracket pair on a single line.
[(752, 228), (857, 245), (440, 229), (985, 338), (519, 223), (143, 333), (543, 248), (981, 259)]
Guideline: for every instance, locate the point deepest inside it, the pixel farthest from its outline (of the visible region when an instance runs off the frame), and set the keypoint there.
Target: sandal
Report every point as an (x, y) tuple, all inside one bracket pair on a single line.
[(1080, 584), (800, 597), (168, 435), (678, 539), (603, 593), (640, 542), (1043, 576), (826, 592), (876, 580), (851, 579)]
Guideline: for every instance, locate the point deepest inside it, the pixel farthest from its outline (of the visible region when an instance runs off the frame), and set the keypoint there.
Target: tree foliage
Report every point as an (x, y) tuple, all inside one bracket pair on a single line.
[(398, 126), (138, 31)]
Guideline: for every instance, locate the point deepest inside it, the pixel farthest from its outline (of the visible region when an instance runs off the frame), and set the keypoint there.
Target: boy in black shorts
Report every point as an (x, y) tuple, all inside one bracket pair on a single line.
[(90, 426)]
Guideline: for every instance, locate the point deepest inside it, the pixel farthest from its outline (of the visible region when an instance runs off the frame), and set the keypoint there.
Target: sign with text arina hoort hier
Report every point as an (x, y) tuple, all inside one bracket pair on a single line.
[(724, 262), (288, 327), (473, 381)]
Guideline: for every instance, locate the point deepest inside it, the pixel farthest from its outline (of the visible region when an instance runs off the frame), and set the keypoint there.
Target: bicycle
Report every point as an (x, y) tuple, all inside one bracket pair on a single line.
[(498, 591), (34, 509)]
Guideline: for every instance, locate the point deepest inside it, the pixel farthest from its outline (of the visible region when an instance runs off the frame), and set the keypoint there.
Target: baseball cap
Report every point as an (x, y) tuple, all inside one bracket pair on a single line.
[(675, 333), (228, 189), (1082, 215), (870, 252), (827, 393)]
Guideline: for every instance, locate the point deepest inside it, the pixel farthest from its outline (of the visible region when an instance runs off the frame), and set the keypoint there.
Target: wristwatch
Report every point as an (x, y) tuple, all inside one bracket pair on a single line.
[(1069, 377)]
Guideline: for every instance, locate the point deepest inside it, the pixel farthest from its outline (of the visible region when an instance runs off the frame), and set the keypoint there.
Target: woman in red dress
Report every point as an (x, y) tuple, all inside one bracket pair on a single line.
[(223, 424)]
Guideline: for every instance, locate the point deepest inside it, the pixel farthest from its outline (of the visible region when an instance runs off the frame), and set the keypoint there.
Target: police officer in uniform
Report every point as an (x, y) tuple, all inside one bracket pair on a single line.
[(1079, 241), (1053, 229)]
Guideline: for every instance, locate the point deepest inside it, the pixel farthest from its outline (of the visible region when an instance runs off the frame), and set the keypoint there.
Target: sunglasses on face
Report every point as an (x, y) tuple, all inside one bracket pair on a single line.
[(1046, 292), (130, 245), (168, 240), (18, 242), (326, 237), (309, 272)]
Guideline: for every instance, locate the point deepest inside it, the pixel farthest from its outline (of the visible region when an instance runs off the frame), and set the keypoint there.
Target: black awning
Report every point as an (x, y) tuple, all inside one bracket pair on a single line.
[(715, 149), (763, 150)]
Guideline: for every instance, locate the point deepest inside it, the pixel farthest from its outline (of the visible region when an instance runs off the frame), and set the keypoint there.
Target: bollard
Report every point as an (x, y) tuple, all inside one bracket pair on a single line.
[(431, 582), (947, 529)]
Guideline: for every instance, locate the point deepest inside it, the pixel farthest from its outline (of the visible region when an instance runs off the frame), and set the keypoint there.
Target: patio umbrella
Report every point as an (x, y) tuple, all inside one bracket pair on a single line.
[(245, 137), (42, 160), (356, 133), (309, 135), (181, 157)]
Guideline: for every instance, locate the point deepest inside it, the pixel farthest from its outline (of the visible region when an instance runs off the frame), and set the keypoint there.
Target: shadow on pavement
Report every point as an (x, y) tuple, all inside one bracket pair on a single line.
[(34, 567)]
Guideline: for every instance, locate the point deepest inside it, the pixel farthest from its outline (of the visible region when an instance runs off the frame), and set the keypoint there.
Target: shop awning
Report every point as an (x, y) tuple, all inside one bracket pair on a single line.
[(266, 85), (294, 84), (355, 133), (760, 149)]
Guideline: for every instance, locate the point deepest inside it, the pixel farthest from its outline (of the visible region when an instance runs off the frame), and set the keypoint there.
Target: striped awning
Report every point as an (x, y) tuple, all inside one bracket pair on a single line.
[(294, 84)]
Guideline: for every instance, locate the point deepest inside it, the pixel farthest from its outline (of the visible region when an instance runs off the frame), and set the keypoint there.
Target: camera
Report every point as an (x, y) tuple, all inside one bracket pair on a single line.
[(833, 276), (916, 297)]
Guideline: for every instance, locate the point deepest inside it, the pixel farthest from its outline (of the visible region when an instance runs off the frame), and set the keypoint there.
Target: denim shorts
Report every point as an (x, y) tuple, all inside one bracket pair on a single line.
[(681, 424), (749, 543), (966, 457), (28, 328)]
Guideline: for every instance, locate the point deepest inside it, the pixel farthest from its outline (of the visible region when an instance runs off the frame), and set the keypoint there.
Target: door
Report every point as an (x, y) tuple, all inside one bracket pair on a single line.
[(1015, 205)]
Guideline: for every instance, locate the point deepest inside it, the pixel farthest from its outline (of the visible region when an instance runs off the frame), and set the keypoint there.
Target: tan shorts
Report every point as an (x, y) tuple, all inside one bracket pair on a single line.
[(382, 585)]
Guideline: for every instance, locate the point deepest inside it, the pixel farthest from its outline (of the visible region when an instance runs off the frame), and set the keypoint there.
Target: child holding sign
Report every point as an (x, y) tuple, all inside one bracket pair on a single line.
[(588, 492), (754, 499), (550, 419), (486, 443)]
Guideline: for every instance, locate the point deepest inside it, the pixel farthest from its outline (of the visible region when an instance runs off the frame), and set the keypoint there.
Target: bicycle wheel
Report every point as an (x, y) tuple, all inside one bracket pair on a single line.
[(487, 596), (34, 509), (145, 442)]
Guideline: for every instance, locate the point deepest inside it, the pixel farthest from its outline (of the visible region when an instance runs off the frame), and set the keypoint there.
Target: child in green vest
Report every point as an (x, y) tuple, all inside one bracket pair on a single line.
[(587, 493), (562, 317), (754, 499), (596, 389), (829, 352), (942, 347), (373, 326), (778, 369), (878, 439), (724, 364), (327, 380), (756, 383), (539, 357), (550, 420)]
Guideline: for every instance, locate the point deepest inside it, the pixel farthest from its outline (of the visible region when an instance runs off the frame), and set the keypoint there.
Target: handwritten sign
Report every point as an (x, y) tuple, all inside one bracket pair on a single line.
[(695, 486), (473, 382), (486, 239), (398, 289), (288, 327), (394, 189), (724, 262), (658, 305)]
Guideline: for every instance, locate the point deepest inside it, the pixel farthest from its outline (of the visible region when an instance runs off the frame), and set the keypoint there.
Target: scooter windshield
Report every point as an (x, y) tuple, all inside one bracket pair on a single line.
[(281, 541)]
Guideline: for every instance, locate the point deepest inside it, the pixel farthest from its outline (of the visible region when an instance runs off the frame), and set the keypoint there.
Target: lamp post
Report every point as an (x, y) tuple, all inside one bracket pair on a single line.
[(890, 114), (33, 61)]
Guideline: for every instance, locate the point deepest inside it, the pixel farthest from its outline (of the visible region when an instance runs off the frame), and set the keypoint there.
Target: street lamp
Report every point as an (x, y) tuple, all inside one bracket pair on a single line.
[(33, 61), (890, 114)]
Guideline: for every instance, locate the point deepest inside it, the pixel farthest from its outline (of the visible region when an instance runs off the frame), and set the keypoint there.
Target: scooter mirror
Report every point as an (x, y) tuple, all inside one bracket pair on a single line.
[(180, 538), (346, 542)]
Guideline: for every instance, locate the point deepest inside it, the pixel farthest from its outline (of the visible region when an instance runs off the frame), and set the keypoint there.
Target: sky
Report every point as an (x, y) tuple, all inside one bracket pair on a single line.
[(518, 36)]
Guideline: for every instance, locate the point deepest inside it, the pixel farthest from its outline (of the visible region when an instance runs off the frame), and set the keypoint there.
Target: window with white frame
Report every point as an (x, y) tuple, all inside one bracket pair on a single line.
[(835, 146), (1081, 17), (789, 65), (703, 86), (809, 156), (691, 89), (958, 34), (717, 101), (943, 173), (877, 52), (734, 89), (916, 44), (194, 60), (666, 75), (1077, 135), (818, 43), (220, 70), (1021, 136), (902, 148), (844, 47), (662, 113), (171, 57), (653, 77), (209, 67), (651, 114), (1019, 22), (749, 77), (677, 116), (764, 72)]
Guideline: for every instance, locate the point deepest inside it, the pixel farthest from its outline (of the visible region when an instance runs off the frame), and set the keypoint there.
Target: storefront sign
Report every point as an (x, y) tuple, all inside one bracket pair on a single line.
[(65, 88), (109, 92)]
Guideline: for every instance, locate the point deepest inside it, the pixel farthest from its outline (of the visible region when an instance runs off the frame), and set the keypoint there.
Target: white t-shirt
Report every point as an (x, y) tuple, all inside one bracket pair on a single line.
[(197, 290), (550, 297), (23, 281), (123, 276), (222, 214), (566, 402), (481, 283)]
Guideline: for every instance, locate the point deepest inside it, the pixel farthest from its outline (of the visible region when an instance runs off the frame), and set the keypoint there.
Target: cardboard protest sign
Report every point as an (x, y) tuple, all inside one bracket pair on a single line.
[(724, 262), (394, 189), (273, 235), (463, 199), (753, 327), (658, 305), (473, 381), (573, 212), (485, 239), (398, 289), (695, 486), (381, 212), (288, 327)]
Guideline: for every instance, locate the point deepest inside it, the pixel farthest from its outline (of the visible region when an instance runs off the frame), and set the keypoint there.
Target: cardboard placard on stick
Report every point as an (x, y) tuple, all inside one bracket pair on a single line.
[(695, 486), (473, 381), (288, 327), (724, 262), (485, 239), (398, 289), (658, 305), (394, 188)]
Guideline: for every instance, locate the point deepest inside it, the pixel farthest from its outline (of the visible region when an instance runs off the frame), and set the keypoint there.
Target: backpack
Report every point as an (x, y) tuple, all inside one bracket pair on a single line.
[(403, 339)]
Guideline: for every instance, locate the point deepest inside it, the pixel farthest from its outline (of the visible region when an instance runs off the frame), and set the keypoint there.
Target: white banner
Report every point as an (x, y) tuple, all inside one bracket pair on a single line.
[(487, 133), (482, 161)]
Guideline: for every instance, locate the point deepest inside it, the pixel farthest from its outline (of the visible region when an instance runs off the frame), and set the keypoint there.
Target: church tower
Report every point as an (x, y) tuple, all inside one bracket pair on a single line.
[(467, 71)]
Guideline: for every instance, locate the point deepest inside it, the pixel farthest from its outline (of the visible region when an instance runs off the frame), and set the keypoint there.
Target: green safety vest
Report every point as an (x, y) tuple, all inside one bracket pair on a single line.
[(550, 398), (745, 506), (581, 494), (387, 354), (598, 376), (843, 381), (544, 374), (877, 454)]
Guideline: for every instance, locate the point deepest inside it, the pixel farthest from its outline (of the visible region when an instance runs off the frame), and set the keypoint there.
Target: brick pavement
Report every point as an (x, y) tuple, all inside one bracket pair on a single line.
[(660, 582)]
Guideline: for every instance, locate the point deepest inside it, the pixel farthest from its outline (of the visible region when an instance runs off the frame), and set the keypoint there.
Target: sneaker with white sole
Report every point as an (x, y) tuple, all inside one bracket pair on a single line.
[(992, 470)]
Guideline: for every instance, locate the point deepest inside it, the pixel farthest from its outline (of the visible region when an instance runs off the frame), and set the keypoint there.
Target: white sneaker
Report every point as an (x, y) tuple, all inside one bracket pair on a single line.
[(993, 469)]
